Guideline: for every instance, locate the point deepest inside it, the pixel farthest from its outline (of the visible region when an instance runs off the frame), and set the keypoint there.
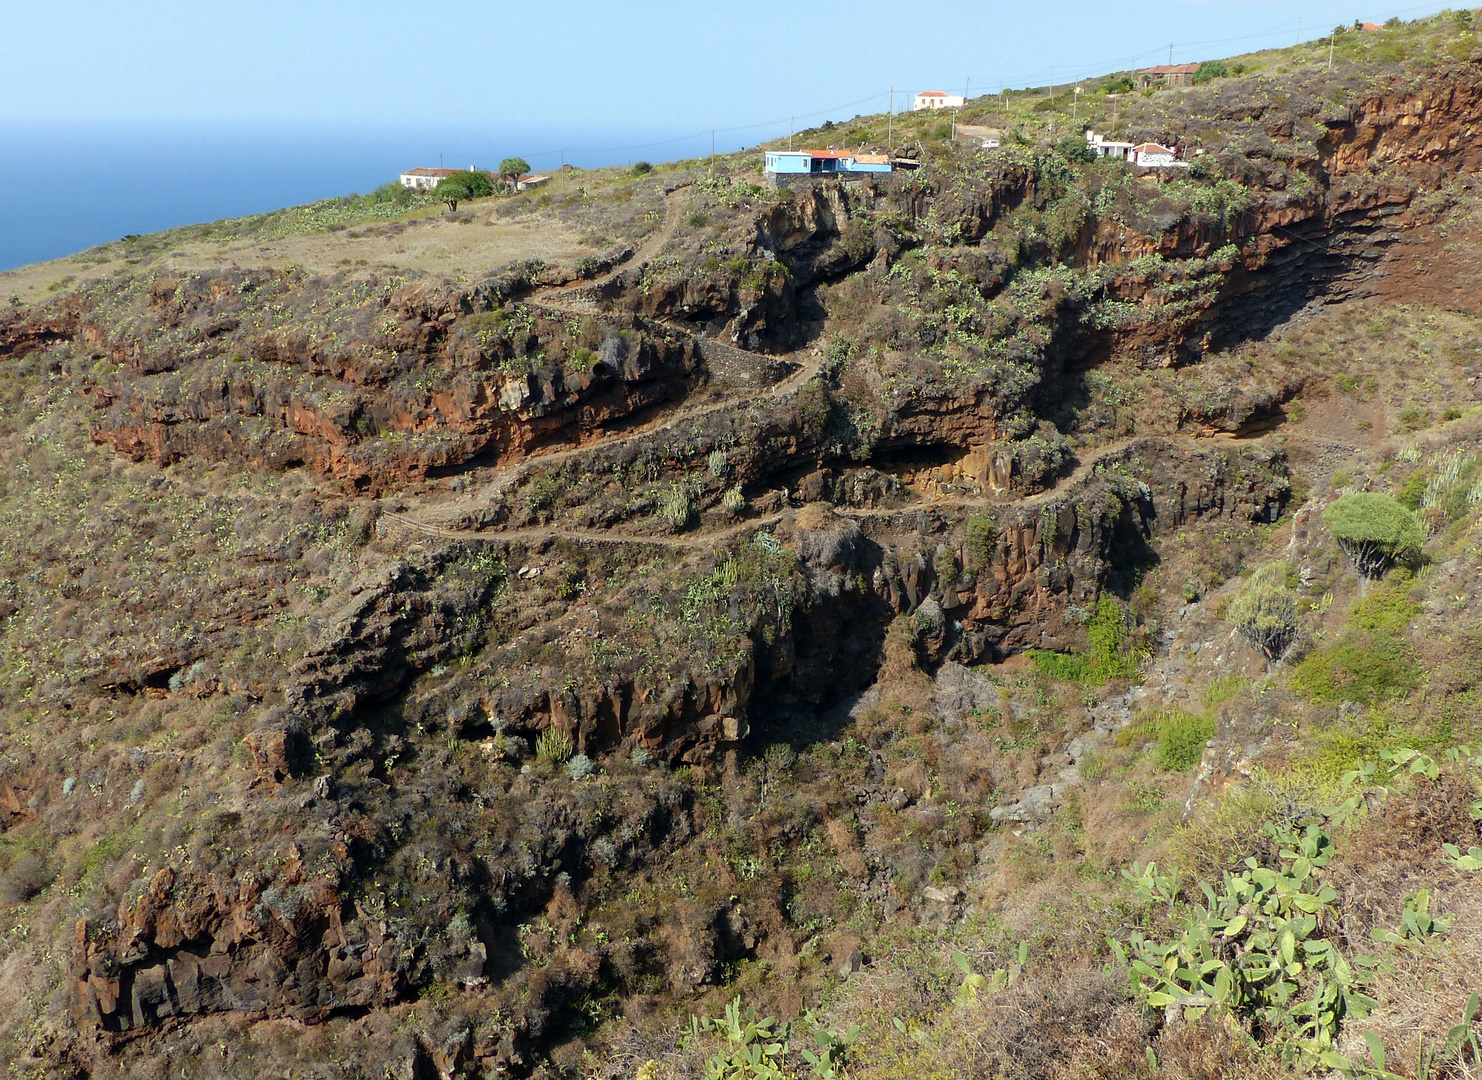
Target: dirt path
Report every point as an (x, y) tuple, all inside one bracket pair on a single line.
[(539, 533), (429, 524), (576, 298), (504, 477), (501, 478), (552, 296)]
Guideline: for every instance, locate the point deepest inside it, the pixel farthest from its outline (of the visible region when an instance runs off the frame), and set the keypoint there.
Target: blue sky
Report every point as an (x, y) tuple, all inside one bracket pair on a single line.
[(584, 65)]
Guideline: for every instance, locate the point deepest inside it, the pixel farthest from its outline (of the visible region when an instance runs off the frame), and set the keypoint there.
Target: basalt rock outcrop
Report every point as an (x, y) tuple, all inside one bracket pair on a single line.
[(505, 766)]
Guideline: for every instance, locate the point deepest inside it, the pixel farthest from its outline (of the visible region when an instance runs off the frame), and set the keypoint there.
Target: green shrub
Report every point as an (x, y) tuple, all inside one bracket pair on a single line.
[(1067, 667), (1411, 494), (1364, 667), (1388, 608), (1373, 530), (1110, 651), (1181, 739), (394, 192), (982, 541), (733, 501), (554, 745), (1264, 610), (514, 167), (814, 407), (1223, 689), (1073, 148), (464, 185), (678, 508), (1108, 640), (1209, 71)]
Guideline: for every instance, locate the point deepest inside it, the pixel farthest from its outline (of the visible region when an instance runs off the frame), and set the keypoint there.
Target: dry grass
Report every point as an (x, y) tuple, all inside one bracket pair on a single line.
[(472, 247)]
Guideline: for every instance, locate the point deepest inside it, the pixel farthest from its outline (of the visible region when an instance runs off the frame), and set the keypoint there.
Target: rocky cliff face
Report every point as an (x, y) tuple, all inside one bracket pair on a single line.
[(288, 940), (617, 540)]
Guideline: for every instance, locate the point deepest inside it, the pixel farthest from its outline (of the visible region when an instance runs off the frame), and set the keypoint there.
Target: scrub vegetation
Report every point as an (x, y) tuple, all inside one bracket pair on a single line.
[(1018, 617)]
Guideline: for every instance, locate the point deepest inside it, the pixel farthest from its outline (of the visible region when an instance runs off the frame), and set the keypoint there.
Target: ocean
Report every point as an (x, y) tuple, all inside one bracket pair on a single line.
[(77, 185)]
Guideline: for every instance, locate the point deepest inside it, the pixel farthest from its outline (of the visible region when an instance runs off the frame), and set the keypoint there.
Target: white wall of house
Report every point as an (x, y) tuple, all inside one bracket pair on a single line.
[(1153, 159), (930, 99)]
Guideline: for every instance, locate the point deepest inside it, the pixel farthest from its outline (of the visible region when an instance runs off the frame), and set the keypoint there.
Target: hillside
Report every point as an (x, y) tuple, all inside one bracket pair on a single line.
[(475, 644)]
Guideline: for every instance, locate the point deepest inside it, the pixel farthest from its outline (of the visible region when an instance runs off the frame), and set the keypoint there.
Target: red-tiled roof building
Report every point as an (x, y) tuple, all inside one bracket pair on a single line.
[(1167, 75)]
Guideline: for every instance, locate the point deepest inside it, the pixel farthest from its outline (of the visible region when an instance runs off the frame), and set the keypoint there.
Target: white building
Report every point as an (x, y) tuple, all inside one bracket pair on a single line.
[(1104, 148), (935, 99), (427, 179), (1154, 156)]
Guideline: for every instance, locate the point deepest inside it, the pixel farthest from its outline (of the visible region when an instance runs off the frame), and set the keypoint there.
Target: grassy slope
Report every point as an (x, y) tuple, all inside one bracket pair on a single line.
[(1056, 887)]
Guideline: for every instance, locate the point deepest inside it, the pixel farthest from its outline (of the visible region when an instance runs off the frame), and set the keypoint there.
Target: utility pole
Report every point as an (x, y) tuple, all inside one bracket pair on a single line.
[(1332, 38), (712, 149), (789, 132), (1052, 99), (890, 125), (1170, 56)]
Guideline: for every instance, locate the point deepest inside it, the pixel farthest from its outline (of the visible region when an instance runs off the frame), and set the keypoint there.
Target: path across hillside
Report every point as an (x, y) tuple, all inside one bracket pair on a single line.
[(579, 298), (430, 525)]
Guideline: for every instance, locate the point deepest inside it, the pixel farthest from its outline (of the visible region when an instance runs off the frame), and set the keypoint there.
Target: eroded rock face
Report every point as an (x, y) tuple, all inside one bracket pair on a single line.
[(373, 739), (283, 939), (372, 384)]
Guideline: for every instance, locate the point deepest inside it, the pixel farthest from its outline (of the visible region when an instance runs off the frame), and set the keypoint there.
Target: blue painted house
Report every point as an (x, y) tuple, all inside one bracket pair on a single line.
[(786, 165)]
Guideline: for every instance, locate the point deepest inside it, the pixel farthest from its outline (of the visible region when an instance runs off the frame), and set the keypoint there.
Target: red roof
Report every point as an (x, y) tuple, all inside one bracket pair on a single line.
[(1152, 147), (1371, 26), (931, 93), (439, 173), (1171, 69), (835, 154)]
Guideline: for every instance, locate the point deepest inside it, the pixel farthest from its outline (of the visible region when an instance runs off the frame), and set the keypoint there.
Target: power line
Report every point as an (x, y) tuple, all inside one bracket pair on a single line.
[(1109, 66), (1091, 69)]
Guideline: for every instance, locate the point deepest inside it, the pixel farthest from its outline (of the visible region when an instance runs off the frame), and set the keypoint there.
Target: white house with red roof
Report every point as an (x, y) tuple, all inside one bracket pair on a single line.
[(427, 179), (936, 99), (1150, 155)]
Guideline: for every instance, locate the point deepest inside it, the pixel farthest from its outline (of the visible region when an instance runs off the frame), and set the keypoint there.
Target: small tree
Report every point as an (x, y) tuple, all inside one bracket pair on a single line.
[(464, 185), (1210, 70), (1373, 530), (1075, 149), (1265, 610), (514, 168)]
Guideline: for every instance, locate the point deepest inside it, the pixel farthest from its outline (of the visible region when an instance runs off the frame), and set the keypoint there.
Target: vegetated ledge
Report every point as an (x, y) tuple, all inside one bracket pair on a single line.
[(378, 840), (378, 382), (190, 947)]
